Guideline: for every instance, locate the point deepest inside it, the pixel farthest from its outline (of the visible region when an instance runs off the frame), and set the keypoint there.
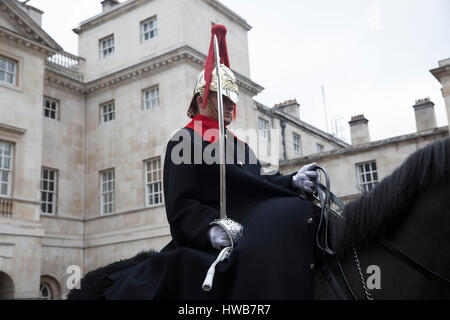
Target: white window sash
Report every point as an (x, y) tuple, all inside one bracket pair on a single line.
[(6, 167), (48, 191), (151, 98), (364, 183), (107, 194), (153, 187), (8, 70), (107, 47), (263, 126), (108, 112), (297, 143), (149, 32)]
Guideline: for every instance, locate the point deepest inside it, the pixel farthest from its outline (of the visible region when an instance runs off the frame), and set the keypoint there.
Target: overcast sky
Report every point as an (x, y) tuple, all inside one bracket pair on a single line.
[(372, 56)]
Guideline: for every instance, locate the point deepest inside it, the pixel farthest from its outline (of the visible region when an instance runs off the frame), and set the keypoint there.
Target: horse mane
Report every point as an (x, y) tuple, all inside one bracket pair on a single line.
[(380, 209)]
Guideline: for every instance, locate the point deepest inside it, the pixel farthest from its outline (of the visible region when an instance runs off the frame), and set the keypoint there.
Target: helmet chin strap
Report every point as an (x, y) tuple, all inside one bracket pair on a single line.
[(214, 112)]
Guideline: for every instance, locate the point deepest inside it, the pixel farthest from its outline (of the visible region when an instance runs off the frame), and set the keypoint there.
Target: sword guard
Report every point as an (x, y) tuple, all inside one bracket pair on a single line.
[(233, 229)]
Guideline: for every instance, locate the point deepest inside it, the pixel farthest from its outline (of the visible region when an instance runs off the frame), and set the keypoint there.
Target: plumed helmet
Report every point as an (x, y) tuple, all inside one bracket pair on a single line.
[(229, 88)]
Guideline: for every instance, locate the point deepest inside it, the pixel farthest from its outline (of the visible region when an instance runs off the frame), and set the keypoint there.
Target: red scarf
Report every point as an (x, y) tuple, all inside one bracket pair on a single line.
[(206, 128)]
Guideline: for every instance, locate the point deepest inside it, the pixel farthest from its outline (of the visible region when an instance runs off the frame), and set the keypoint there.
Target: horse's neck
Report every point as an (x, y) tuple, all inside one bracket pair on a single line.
[(423, 232)]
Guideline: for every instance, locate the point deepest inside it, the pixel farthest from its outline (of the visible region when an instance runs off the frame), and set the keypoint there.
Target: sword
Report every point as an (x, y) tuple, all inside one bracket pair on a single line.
[(231, 227), (223, 193)]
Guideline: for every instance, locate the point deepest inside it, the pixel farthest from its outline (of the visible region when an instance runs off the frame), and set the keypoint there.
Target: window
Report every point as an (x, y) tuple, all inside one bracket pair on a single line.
[(51, 108), (45, 292), (6, 158), (151, 97), (153, 182), (48, 191), (263, 126), (297, 143), (149, 29), (107, 46), (107, 192), (367, 175), (320, 148), (108, 112), (8, 70)]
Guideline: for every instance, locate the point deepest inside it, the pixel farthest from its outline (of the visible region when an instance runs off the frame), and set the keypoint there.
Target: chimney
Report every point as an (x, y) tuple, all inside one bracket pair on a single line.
[(359, 130), (109, 4), (424, 112), (34, 13), (291, 107)]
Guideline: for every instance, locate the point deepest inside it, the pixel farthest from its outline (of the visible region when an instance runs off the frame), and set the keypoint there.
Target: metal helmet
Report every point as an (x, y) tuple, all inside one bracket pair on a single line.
[(229, 88)]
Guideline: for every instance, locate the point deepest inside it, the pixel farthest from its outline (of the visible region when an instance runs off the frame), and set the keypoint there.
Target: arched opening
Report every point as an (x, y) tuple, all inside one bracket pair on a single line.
[(6, 287), (49, 288)]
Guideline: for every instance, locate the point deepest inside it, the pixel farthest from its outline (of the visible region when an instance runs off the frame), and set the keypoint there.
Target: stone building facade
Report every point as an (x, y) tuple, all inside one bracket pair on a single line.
[(82, 138)]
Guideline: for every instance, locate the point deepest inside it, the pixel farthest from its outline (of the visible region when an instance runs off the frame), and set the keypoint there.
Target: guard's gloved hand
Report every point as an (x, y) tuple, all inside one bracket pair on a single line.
[(305, 180), (218, 237)]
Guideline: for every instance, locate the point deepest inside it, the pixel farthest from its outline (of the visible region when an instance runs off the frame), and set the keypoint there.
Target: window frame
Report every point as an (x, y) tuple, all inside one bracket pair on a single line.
[(155, 29), (9, 171), (363, 186), (145, 100), (106, 104), (101, 49), (6, 71), (113, 192), (320, 148), (297, 144), (265, 130), (57, 111), (158, 182), (54, 192)]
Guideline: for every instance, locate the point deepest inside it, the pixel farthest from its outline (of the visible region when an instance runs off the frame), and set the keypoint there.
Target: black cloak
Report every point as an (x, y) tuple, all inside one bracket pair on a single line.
[(274, 258)]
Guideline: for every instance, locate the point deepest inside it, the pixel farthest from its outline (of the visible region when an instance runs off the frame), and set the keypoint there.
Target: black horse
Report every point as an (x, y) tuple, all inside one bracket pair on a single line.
[(401, 230), (402, 227)]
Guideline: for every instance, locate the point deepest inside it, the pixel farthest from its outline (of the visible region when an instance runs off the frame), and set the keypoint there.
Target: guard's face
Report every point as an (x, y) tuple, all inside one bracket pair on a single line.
[(228, 106)]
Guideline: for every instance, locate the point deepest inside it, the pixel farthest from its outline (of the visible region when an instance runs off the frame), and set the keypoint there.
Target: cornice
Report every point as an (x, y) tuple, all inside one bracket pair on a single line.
[(12, 129), (25, 42), (441, 72), (60, 80), (28, 26), (184, 53), (116, 11)]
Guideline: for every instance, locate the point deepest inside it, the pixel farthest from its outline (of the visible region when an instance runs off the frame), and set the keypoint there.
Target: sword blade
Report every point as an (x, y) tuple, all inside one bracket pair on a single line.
[(223, 194)]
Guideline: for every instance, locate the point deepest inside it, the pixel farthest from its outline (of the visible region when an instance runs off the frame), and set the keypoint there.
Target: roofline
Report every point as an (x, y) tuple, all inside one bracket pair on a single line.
[(130, 4), (32, 24), (366, 146), (303, 124), (230, 13)]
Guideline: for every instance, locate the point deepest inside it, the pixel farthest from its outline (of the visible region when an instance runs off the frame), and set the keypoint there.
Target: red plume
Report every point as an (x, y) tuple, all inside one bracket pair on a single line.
[(220, 31)]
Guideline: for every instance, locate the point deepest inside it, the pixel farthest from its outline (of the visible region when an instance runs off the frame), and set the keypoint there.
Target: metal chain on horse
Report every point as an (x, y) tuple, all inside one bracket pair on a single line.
[(361, 275)]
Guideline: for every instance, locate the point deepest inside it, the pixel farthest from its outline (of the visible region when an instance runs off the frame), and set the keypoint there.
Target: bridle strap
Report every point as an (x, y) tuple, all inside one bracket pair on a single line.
[(410, 261), (324, 214)]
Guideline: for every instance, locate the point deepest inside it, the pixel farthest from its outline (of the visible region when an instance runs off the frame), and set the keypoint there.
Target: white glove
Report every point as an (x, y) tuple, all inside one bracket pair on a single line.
[(305, 180), (218, 237)]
